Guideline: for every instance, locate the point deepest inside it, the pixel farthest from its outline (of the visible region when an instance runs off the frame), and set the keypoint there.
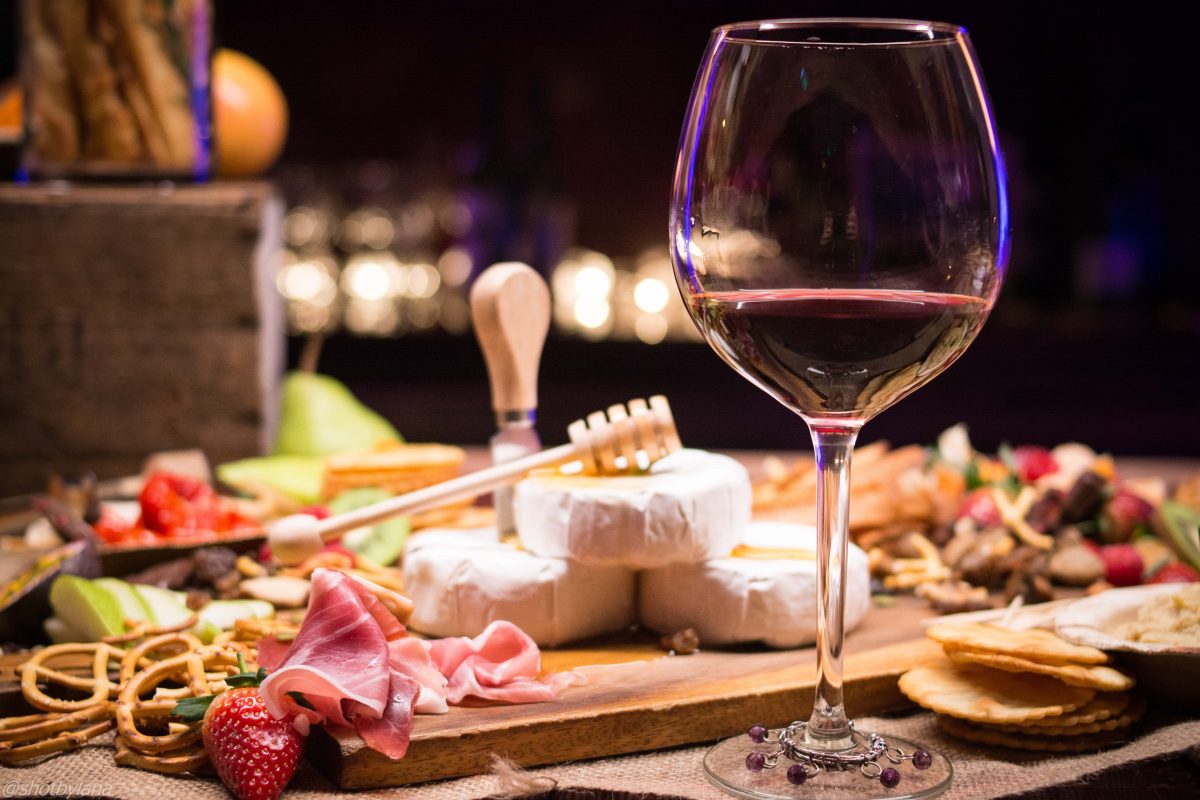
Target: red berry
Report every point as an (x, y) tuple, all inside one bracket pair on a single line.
[(1175, 573), (1033, 462), (254, 753), (1122, 564), (981, 508), (1126, 511)]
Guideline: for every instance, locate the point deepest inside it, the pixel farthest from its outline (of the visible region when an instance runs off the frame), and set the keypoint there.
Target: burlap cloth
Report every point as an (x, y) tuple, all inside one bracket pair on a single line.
[(980, 772)]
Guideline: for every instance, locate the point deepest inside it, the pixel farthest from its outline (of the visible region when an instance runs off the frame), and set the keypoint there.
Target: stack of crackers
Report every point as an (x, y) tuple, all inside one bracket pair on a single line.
[(1029, 690), (393, 466)]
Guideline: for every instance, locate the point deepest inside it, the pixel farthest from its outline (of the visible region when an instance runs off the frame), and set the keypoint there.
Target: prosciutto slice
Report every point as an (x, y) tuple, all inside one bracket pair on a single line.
[(354, 663), (340, 663), (501, 664)]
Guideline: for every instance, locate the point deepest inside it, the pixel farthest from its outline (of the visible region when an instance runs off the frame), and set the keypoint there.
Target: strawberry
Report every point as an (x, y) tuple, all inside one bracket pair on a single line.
[(1127, 511), (1033, 462), (981, 508), (1122, 564), (254, 754), (1175, 573)]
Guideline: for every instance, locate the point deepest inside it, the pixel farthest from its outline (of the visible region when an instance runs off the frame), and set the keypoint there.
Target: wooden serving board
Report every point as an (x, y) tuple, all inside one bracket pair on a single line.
[(661, 701), (635, 699)]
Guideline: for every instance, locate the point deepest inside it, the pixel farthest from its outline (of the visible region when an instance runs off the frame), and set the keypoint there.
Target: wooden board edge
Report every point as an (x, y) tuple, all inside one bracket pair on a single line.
[(343, 758)]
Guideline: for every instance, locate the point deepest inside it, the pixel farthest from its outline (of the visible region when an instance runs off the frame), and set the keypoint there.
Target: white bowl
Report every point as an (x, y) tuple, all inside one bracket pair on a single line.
[(1168, 673)]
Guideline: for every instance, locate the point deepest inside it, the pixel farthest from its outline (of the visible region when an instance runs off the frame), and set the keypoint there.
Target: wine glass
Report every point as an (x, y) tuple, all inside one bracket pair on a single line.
[(839, 229)]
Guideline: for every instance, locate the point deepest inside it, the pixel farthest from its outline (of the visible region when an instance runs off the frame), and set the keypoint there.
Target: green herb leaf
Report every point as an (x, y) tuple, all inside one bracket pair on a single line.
[(191, 709)]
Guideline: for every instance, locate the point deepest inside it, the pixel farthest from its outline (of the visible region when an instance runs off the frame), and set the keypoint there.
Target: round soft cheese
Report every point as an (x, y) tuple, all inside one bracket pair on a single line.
[(461, 580), (766, 592), (689, 507)]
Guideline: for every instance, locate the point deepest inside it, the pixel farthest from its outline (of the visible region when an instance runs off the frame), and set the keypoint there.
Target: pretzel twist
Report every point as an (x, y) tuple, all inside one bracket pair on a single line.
[(170, 762), (191, 669), (23, 738), (38, 667)]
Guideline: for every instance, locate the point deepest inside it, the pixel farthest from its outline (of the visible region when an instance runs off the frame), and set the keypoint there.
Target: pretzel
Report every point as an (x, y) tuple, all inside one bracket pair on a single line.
[(38, 667), (166, 643), (190, 668), (140, 628), (22, 738), (171, 762)]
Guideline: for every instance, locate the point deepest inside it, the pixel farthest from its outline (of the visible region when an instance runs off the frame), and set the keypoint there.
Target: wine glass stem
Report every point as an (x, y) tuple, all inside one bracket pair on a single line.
[(828, 727)]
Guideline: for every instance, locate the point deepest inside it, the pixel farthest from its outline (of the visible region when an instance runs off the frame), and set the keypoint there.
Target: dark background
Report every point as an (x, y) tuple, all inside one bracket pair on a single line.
[(1096, 336)]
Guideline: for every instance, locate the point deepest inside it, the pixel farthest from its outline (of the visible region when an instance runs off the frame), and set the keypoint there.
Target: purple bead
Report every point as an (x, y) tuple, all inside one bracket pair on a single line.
[(889, 778), (755, 762), (796, 774), (922, 759), (757, 733)]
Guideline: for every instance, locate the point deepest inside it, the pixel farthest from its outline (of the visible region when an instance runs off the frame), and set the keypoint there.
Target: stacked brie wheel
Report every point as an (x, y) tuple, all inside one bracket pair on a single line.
[(673, 548), (460, 581)]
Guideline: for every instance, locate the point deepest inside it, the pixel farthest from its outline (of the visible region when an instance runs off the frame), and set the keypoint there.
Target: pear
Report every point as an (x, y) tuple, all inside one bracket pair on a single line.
[(298, 477), (320, 416)]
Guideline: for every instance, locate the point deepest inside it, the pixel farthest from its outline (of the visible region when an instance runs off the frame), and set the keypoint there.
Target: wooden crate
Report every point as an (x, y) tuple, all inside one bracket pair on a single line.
[(135, 319)]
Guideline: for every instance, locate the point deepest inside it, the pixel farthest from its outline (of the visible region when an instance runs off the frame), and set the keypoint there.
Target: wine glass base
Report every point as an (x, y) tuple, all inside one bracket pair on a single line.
[(725, 766)]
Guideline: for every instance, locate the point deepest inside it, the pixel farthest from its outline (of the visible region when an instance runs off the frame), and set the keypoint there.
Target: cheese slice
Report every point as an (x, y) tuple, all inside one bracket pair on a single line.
[(689, 507), (766, 592), (461, 580)]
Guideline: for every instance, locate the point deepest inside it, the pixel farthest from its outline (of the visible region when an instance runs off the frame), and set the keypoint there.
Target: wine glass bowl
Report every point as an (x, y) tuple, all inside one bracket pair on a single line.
[(839, 230)]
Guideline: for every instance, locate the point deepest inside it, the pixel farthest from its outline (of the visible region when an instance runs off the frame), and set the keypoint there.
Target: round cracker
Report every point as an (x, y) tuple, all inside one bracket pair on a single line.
[(1025, 741), (1104, 706), (1104, 679), (978, 693), (1123, 720), (1033, 645)]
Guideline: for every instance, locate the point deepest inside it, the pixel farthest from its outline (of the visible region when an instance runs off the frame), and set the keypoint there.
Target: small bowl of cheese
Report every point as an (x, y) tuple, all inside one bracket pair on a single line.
[(1155, 630)]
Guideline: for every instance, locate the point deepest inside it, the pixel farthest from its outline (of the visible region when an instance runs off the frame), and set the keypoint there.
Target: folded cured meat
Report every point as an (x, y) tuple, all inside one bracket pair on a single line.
[(340, 662), (354, 664), (500, 664)]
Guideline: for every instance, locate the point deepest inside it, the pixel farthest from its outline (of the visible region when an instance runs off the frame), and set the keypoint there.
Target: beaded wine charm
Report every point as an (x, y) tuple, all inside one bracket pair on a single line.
[(809, 761)]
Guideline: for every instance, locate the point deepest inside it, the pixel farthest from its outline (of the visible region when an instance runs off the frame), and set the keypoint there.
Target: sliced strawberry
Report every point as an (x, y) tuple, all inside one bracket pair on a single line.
[(981, 508), (1033, 462)]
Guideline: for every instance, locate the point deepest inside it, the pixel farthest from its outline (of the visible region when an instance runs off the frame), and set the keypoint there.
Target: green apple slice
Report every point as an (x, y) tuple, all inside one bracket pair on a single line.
[(86, 608), (166, 609), (221, 614), (131, 603)]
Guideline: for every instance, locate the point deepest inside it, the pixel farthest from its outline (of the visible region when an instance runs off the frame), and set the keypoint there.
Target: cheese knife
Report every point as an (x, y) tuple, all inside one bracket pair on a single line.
[(510, 310)]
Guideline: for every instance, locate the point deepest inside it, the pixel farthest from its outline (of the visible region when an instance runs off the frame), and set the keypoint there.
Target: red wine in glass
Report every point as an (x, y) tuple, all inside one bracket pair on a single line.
[(839, 352)]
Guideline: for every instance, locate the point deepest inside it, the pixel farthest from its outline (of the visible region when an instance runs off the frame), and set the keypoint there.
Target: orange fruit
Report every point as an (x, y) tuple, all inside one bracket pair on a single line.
[(250, 115)]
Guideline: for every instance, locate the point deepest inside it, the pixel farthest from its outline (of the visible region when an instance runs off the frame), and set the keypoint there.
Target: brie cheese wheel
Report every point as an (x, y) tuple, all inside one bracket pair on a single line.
[(689, 507), (461, 580), (765, 592)]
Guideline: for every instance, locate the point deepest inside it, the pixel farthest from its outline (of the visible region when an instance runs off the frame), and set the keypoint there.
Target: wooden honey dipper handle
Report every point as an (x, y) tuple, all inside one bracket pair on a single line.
[(626, 439)]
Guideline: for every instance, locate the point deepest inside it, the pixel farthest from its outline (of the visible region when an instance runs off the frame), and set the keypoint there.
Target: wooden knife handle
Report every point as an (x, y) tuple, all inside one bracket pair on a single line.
[(510, 309)]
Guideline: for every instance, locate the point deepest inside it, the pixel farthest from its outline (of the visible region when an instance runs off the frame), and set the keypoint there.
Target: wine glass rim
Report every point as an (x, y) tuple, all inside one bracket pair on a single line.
[(747, 31)]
